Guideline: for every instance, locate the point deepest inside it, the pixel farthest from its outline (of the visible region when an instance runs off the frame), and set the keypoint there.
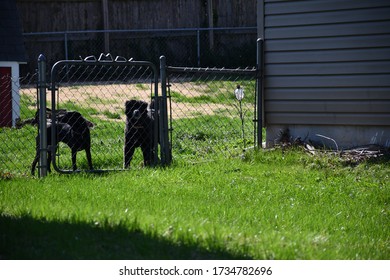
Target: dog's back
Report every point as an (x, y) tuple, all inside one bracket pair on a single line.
[(75, 120), (73, 129)]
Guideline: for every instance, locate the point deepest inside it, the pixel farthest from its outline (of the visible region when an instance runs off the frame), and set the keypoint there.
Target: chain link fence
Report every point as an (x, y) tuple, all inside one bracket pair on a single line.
[(17, 146), (206, 118), (211, 111), (98, 93)]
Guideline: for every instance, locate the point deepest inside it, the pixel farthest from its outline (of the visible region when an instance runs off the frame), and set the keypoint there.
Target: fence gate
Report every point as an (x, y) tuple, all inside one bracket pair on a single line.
[(98, 89)]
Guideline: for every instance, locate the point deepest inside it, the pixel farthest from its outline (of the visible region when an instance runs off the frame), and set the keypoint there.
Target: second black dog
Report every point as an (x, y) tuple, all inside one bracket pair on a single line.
[(138, 132), (72, 129)]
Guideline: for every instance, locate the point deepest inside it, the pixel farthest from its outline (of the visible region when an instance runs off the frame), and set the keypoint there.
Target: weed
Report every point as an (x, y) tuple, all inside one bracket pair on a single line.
[(110, 115), (142, 86)]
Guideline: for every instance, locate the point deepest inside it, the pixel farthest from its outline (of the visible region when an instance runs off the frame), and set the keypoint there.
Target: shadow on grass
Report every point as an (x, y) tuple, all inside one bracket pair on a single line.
[(27, 238)]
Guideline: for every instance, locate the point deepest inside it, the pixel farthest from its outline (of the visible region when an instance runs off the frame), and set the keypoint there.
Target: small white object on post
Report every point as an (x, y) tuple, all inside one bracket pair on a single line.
[(239, 93)]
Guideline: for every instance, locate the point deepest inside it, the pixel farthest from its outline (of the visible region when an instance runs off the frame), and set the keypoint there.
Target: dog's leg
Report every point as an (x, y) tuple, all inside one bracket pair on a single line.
[(74, 155), (34, 163), (148, 155), (89, 157), (128, 150), (36, 158), (48, 161), (128, 154)]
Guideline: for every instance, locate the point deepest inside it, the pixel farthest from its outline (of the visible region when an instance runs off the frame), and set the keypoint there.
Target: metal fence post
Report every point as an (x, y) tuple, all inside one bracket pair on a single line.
[(198, 46), (66, 45), (164, 138), (259, 91), (42, 116)]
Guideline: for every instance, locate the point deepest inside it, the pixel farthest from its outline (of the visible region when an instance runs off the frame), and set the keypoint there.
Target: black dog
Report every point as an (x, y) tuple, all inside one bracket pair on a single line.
[(138, 132), (72, 129)]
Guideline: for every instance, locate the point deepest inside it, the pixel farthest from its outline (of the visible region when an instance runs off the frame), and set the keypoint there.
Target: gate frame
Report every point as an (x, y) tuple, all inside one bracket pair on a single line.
[(42, 124)]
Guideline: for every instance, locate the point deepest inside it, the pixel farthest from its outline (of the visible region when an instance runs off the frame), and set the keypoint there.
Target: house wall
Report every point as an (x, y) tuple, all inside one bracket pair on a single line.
[(327, 70)]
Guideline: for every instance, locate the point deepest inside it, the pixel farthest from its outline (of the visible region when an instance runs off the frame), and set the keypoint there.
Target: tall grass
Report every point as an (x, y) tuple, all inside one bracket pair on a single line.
[(269, 205)]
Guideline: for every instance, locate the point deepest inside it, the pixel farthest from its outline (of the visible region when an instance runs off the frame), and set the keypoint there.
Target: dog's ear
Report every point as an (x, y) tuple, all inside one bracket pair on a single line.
[(129, 107), (153, 105), (143, 107), (89, 124)]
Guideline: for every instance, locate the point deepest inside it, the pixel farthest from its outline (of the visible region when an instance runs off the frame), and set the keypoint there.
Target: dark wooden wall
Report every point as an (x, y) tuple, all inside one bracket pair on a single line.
[(237, 48), (69, 15)]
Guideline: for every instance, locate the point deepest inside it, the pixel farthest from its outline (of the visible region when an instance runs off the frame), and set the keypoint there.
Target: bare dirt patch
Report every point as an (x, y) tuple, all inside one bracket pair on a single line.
[(110, 98)]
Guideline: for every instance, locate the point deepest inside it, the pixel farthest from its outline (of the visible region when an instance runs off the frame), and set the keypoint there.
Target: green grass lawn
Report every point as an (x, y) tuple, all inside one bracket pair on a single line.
[(269, 205)]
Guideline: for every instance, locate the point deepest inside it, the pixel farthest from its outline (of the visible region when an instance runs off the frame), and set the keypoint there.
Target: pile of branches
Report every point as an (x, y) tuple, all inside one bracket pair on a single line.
[(362, 153), (353, 155)]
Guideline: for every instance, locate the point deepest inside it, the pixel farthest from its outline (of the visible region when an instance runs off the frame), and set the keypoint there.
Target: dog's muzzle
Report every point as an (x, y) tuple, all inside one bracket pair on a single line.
[(136, 114), (135, 118)]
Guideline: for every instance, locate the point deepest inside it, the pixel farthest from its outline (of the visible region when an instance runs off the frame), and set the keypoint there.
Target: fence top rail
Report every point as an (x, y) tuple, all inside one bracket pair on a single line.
[(242, 71), (104, 60), (143, 30)]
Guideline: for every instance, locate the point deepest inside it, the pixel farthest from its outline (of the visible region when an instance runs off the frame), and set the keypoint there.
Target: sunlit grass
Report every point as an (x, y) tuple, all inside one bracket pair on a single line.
[(269, 205)]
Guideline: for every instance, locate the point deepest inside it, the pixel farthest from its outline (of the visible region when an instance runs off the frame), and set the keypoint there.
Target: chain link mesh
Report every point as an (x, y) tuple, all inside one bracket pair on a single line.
[(17, 142), (207, 119)]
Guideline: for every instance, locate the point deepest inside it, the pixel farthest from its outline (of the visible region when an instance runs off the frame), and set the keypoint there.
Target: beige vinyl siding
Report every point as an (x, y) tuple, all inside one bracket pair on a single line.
[(326, 62)]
